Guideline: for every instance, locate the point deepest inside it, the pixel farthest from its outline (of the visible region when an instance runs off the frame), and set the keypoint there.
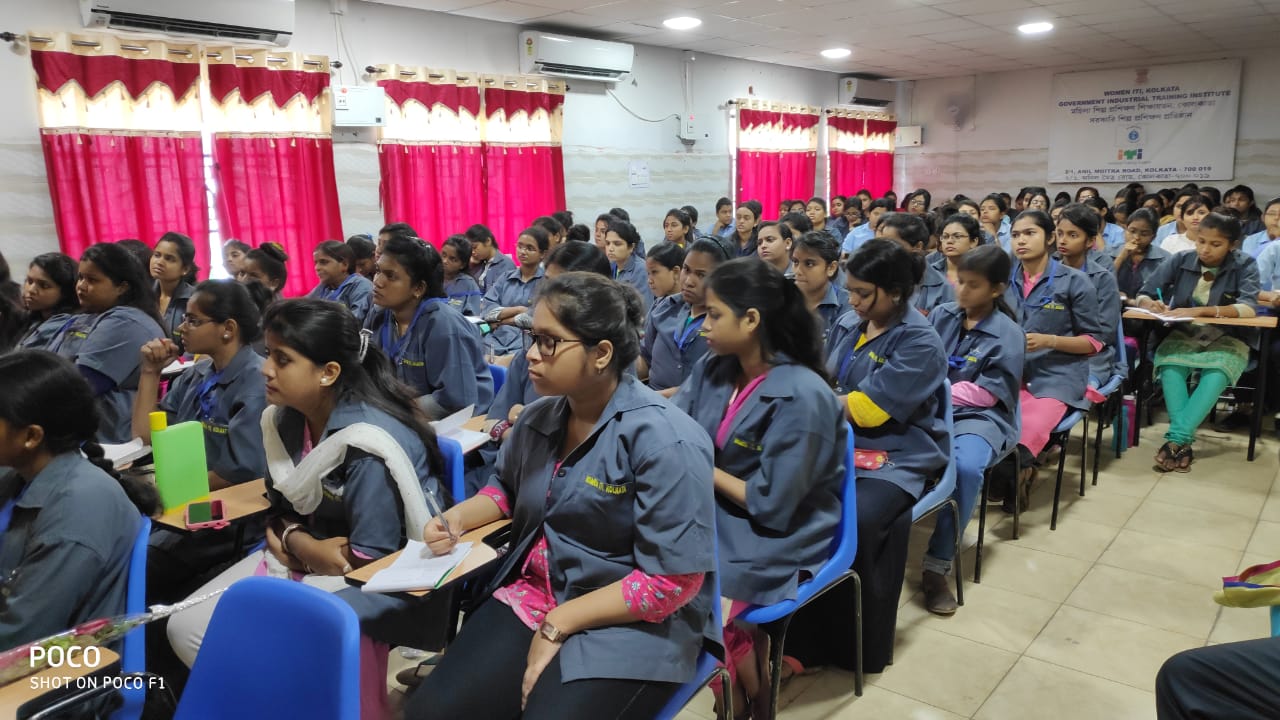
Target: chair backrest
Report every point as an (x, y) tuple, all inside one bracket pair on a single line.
[(949, 421), (276, 646), (454, 469), (499, 374), (845, 544), (1121, 365), (133, 657)]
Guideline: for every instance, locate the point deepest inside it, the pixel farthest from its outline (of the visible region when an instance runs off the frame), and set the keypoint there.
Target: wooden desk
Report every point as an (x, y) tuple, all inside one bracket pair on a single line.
[(239, 502), (1265, 324), (23, 690), (476, 423), (482, 553)]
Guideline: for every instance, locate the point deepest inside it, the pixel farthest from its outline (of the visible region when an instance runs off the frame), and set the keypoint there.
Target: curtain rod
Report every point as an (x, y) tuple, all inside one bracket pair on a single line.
[(172, 51), (373, 70)]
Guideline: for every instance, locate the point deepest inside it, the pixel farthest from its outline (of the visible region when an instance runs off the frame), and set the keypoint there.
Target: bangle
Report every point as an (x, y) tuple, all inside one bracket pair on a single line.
[(284, 537), (495, 433), (1054, 342), (1217, 311)]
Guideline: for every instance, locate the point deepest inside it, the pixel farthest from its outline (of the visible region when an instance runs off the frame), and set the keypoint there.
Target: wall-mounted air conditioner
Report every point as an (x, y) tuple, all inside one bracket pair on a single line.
[(269, 21), (573, 57), (868, 93)]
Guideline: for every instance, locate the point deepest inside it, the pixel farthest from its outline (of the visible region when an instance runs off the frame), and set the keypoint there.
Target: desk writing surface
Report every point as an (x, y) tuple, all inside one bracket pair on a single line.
[(23, 690), (238, 501), (1261, 321), (481, 554)]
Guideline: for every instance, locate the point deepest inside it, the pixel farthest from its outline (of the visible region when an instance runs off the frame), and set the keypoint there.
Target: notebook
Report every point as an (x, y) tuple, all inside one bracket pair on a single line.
[(1160, 316), (125, 453), (451, 427), (417, 568)]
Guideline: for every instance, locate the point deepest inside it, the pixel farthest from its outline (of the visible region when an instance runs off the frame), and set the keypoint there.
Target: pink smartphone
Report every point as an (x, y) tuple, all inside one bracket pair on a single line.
[(205, 514)]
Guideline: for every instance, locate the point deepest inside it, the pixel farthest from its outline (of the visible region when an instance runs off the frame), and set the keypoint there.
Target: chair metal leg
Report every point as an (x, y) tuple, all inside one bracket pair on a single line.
[(1057, 487), (725, 709), (858, 678), (777, 632), (1017, 509), (1097, 438), (957, 567), (982, 526), (1084, 446)]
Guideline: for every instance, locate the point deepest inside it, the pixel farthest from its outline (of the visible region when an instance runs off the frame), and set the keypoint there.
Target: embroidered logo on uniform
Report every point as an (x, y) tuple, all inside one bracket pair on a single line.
[(878, 358), (606, 488), (744, 444), (1054, 306), (412, 363), (215, 429)]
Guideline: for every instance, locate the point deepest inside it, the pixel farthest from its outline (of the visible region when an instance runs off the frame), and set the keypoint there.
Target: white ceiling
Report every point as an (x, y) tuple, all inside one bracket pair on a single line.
[(910, 39)]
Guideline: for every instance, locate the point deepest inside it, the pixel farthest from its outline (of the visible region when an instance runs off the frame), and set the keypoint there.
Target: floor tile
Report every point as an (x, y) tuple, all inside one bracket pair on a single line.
[(1265, 540), (1177, 559), (1190, 490), (1192, 524), (1074, 537), (1271, 509), (1057, 693), (991, 615), (1109, 647), (1031, 572), (1101, 507), (944, 670), (823, 695), (1146, 599), (879, 703), (1136, 479)]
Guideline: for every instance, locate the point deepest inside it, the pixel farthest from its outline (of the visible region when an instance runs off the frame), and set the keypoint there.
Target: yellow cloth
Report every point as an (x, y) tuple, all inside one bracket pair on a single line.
[(865, 412)]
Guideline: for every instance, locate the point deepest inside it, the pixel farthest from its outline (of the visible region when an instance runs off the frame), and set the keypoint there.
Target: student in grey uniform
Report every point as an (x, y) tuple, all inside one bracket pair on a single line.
[(984, 345), (620, 244), (603, 602), (488, 264), (511, 294), (67, 521), (673, 339), (960, 234), (816, 261), (888, 371), (774, 242), (173, 267), (225, 393), (335, 265), (780, 436), (265, 264), (662, 265), (1139, 257), (1057, 307), (434, 349), (326, 382), (118, 317), (743, 238), (462, 290), (933, 288), (49, 297), (1077, 230)]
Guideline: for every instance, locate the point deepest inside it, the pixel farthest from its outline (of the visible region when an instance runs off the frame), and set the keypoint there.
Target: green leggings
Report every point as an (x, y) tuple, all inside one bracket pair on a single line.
[(1186, 412)]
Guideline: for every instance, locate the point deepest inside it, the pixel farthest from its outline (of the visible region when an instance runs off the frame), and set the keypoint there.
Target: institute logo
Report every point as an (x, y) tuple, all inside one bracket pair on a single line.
[(1129, 141)]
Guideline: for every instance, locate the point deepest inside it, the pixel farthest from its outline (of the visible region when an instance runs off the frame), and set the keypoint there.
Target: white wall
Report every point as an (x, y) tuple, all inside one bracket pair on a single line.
[(1005, 145), (600, 137)]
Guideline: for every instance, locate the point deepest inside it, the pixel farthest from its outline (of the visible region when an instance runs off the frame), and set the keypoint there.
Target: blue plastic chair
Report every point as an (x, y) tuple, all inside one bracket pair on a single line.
[(708, 668), (238, 672), (943, 493), (499, 374), (454, 469), (133, 658), (775, 619), (1112, 406)]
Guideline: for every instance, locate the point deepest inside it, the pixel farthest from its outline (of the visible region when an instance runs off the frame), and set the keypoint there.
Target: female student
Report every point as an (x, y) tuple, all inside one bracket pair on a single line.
[(49, 297), (233, 254), (984, 347), (677, 227), (816, 258), (1057, 307), (434, 349), (888, 370), (1189, 215), (365, 251), (913, 234), (1078, 232), (118, 317), (960, 234), (745, 219), (773, 246), (266, 264), (1211, 281), (459, 287), (339, 281), (511, 294), (836, 224), (724, 224), (603, 221), (173, 267), (67, 521), (662, 265), (1255, 243), (762, 394), (620, 246), (335, 506), (816, 211), (603, 603), (1138, 257), (991, 213), (225, 393), (673, 339), (488, 263)]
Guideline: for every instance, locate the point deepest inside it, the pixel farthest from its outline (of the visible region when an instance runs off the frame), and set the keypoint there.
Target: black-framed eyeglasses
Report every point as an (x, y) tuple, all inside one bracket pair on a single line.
[(547, 344), (192, 321)]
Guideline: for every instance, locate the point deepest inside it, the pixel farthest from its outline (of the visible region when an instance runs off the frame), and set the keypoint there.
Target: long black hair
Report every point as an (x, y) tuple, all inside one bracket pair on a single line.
[(121, 267), (271, 260), (786, 325), (224, 300), (992, 263), (421, 262), (595, 309), (186, 253), (580, 256), (325, 332), (38, 387), (339, 251), (62, 270), (889, 266)]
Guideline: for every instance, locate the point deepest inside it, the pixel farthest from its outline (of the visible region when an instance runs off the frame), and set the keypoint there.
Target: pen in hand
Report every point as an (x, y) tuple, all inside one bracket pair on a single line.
[(435, 508)]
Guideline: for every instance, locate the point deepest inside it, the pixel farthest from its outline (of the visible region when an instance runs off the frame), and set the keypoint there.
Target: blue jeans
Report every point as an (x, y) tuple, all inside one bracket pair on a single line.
[(972, 455)]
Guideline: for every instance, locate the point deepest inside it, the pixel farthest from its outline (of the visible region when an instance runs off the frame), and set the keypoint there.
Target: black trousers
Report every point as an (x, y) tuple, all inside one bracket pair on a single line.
[(1234, 681), (481, 674), (823, 632)]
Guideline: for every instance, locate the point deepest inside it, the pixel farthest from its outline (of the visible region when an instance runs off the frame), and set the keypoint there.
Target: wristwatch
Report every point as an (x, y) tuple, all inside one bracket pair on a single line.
[(551, 632)]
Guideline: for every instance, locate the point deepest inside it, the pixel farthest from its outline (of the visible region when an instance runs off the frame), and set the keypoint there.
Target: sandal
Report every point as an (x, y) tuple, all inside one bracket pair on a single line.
[(1181, 462), (1165, 455), (412, 676)]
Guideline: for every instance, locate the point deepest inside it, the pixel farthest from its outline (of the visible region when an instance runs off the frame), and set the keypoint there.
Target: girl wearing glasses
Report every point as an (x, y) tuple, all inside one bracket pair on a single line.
[(1139, 256), (118, 316), (673, 338), (603, 603), (434, 349), (1057, 307), (1211, 281), (960, 234)]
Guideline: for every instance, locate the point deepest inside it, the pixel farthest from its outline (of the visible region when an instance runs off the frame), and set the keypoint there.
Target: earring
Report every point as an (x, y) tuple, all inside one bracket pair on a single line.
[(226, 336)]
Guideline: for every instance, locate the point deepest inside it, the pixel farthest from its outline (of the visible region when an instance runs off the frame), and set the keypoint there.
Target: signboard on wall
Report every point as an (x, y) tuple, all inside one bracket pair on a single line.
[(1168, 122)]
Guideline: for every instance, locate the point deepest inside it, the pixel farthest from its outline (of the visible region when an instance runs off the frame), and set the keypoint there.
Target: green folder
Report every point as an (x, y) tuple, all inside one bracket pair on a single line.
[(182, 474)]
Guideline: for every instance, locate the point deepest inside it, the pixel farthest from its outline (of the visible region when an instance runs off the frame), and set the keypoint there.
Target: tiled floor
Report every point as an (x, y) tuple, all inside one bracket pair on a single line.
[(1074, 623)]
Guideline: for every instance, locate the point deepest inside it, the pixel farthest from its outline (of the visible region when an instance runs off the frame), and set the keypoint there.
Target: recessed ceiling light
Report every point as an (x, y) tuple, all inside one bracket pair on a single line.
[(836, 53), (682, 23), (1035, 28)]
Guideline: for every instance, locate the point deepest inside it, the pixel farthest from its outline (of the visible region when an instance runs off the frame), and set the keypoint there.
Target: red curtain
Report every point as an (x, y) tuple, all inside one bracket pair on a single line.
[(108, 187), (94, 72), (522, 180), (848, 172), (773, 175), (437, 189), (279, 189), (879, 161)]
